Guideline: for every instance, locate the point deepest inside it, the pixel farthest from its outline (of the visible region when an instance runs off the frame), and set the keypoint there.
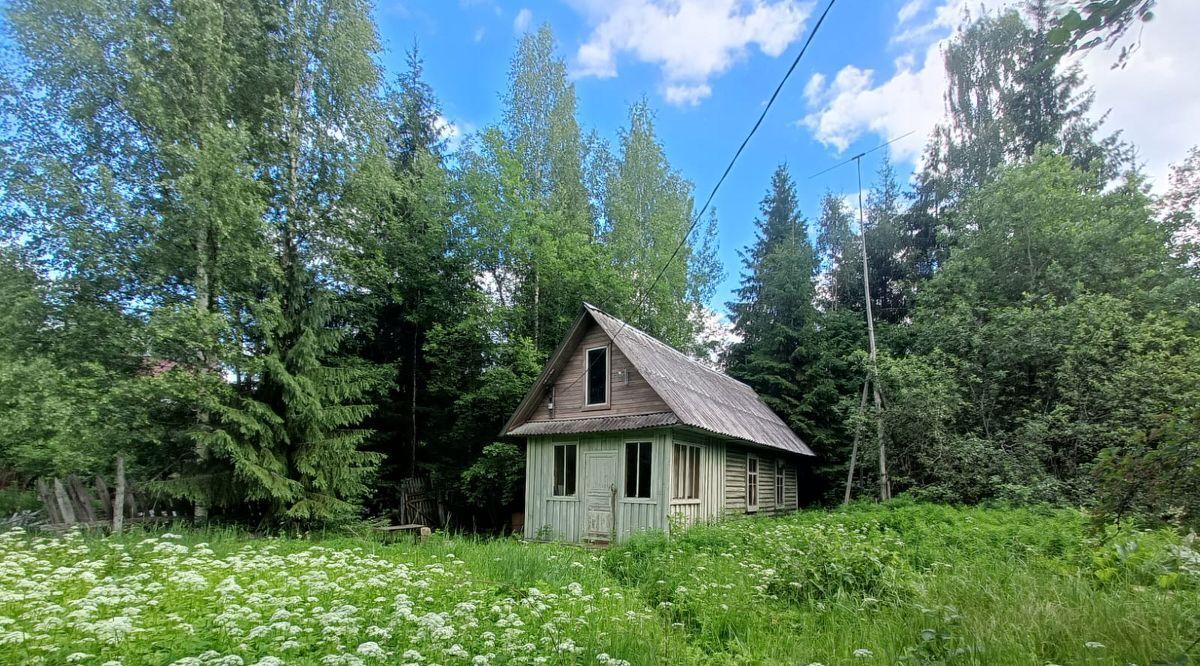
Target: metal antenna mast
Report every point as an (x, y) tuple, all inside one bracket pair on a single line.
[(872, 380)]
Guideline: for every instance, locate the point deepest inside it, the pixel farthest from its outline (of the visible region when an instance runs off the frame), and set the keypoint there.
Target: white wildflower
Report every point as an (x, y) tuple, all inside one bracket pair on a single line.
[(371, 649)]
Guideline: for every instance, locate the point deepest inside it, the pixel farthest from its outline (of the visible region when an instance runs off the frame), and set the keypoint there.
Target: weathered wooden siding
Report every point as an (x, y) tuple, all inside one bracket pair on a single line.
[(632, 397), (547, 516), (735, 481), (791, 489), (711, 503), (766, 484), (722, 484), (636, 514), (563, 518)]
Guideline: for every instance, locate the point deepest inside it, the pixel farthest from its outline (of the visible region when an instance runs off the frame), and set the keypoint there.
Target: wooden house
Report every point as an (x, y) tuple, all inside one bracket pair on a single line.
[(625, 434)]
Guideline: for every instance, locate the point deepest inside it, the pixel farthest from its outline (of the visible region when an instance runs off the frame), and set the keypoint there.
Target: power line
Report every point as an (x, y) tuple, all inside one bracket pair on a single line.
[(860, 155), (721, 180)]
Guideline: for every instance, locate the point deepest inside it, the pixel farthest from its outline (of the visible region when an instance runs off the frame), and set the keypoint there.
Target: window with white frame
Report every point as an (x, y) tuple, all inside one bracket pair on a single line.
[(564, 470), (637, 469), (686, 472), (597, 377), (779, 483), (751, 484)]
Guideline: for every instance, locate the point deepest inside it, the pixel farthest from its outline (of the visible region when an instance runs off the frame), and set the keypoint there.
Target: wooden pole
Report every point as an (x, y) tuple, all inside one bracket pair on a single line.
[(118, 512), (885, 492), (885, 484), (862, 408)]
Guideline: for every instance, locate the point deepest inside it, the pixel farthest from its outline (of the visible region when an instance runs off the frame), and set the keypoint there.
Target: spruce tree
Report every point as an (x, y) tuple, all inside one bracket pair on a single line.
[(778, 354)]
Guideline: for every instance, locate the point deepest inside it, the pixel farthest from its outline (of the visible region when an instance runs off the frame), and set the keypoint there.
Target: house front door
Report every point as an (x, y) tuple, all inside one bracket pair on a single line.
[(600, 494)]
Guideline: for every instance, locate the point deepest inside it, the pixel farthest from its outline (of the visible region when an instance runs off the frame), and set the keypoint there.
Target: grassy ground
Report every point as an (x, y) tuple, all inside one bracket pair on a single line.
[(911, 584)]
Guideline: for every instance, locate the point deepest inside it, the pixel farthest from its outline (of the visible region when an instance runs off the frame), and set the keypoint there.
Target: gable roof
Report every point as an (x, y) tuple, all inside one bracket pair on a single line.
[(697, 395)]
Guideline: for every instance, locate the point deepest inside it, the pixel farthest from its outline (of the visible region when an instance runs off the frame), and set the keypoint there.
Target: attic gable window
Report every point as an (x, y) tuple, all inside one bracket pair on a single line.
[(597, 377)]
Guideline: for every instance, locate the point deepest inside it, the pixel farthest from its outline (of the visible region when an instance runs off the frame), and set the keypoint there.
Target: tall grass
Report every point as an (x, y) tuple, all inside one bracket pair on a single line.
[(906, 583), (920, 584)]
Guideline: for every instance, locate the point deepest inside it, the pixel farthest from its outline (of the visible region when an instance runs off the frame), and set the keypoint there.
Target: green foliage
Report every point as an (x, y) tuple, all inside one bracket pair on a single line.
[(497, 477), (1095, 22), (1154, 475), (911, 583), (781, 348), (1156, 558), (234, 254)]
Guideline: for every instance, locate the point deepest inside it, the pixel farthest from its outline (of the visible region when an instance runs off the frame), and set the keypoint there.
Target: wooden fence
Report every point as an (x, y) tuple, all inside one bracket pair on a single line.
[(70, 501), (418, 506)]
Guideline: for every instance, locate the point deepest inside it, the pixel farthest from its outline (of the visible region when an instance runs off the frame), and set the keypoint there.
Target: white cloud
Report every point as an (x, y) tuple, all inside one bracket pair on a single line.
[(689, 95), (857, 102), (479, 34), (690, 40), (910, 10), (452, 133), (1155, 99), (853, 105), (523, 19)]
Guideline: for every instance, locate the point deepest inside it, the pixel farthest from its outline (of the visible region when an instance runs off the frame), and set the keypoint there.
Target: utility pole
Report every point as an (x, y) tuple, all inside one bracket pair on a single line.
[(885, 487), (871, 381)]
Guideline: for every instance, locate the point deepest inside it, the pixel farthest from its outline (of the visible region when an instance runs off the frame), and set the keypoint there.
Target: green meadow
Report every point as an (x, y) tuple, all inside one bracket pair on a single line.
[(906, 583)]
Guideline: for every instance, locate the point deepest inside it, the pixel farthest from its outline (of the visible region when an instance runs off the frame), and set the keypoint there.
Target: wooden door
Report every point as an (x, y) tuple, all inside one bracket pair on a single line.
[(600, 494)]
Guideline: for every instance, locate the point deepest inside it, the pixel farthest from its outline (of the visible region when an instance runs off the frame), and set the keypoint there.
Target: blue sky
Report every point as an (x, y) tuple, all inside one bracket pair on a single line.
[(707, 67)]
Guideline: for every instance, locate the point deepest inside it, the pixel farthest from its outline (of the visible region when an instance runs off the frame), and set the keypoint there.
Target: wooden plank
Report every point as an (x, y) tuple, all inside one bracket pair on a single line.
[(118, 514), (131, 509), (83, 500), (105, 497), (64, 504), (401, 528), (48, 503)]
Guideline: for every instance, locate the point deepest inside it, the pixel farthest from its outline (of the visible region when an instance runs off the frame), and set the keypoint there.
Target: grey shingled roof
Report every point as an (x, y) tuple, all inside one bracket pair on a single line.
[(698, 396)]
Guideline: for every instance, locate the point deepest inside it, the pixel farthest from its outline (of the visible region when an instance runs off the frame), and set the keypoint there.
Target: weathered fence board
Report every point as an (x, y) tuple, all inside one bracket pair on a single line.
[(69, 502), (65, 509)]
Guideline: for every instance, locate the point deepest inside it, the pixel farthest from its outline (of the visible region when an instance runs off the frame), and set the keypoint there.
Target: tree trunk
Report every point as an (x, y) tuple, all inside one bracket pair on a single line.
[(118, 511), (537, 300), (413, 404), (203, 299)]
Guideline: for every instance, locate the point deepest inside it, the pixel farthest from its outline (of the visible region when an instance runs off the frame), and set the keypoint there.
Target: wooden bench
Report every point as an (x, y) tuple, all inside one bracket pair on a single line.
[(412, 528)]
